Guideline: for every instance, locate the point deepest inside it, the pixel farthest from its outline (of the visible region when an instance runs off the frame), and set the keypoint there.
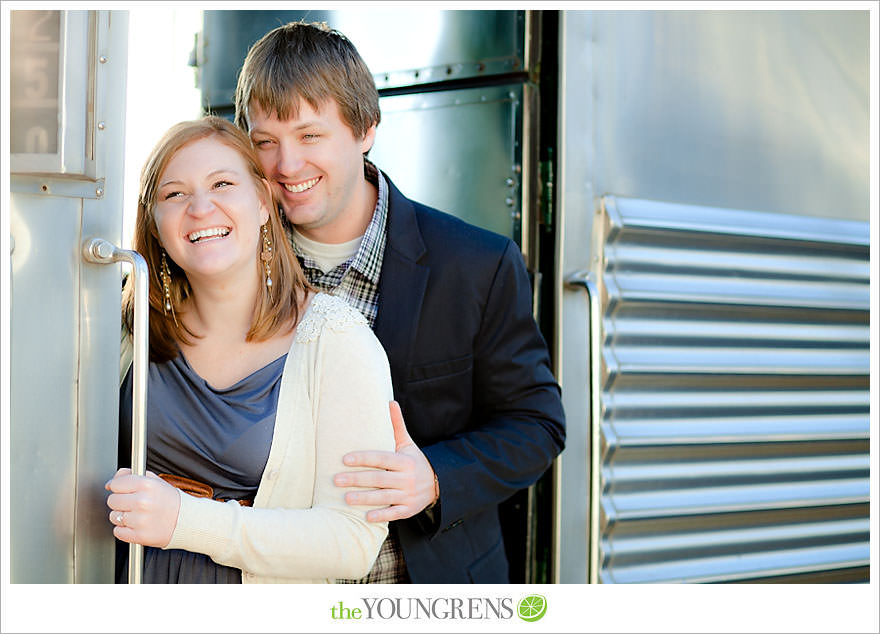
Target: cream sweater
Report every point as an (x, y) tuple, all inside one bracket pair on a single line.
[(334, 397)]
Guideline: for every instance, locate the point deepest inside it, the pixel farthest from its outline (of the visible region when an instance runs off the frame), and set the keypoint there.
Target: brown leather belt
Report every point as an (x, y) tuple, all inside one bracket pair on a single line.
[(196, 488)]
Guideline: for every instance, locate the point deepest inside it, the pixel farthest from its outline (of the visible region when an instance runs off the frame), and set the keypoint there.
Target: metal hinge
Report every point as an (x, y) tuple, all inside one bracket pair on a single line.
[(547, 196)]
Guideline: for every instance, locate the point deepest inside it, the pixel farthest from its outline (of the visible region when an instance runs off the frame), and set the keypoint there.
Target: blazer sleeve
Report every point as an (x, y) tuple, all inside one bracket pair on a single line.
[(518, 424), (331, 539)]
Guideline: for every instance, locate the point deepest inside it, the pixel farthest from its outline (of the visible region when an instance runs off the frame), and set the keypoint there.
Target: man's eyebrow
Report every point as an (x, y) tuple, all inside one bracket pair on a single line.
[(299, 126)]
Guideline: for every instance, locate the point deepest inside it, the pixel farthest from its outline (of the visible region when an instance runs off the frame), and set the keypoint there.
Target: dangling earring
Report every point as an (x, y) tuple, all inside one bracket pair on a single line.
[(266, 256), (165, 274)]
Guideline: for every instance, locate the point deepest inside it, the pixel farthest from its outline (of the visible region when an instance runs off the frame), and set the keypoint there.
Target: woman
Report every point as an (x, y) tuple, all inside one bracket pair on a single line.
[(257, 386)]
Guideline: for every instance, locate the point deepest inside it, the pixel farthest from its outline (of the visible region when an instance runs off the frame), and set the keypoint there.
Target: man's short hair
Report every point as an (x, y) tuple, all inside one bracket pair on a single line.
[(311, 62)]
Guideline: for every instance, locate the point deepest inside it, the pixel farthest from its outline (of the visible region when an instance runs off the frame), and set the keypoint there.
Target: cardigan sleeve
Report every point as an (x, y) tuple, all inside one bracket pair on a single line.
[(331, 539)]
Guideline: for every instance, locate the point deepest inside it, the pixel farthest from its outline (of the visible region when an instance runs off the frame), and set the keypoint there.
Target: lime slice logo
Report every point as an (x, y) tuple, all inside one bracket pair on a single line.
[(532, 607)]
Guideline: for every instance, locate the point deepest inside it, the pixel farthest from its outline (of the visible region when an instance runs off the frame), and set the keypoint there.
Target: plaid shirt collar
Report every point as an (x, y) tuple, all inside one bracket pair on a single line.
[(368, 260)]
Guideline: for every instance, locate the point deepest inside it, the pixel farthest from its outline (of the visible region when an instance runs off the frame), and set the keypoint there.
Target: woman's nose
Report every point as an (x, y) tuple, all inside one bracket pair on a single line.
[(200, 204)]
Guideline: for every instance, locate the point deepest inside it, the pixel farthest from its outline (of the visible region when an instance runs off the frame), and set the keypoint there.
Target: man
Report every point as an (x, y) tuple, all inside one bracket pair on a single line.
[(450, 303)]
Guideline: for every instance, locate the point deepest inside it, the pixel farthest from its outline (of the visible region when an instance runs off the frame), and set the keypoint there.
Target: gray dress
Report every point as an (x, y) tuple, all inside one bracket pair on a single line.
[(219, 437)]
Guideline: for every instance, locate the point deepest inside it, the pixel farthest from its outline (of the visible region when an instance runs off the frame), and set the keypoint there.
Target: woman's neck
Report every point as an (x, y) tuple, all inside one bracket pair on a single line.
[(225, 308), (221, 316)]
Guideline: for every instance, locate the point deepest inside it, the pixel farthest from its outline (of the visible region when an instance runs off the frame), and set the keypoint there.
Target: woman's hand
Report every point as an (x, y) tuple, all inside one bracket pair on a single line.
[(143, 508)]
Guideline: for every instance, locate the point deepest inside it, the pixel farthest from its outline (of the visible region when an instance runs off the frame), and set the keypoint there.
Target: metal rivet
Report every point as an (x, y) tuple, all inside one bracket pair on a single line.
[(102, 59), (509, 201), (99, 192), (510, 182), (101, 125)]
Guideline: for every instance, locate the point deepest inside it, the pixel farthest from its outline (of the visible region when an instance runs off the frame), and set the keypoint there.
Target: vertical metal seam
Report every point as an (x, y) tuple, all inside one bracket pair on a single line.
[(78, 416), (595, 338)]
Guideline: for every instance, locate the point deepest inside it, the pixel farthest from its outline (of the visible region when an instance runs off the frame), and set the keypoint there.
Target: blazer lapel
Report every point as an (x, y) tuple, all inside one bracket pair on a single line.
[(401, 288)]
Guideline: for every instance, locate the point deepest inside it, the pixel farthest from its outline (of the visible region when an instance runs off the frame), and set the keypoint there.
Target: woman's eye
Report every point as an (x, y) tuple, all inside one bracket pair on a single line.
[(219, 184), (171, 195), (262, 142)]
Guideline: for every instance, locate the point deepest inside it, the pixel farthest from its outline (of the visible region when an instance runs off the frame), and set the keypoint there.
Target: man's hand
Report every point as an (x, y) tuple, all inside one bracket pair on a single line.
[(406, 486)]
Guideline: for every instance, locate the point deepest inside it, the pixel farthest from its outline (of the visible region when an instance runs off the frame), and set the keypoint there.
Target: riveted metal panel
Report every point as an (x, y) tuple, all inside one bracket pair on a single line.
[(734, 424), (64, 330), (478, 182), (403, 47)]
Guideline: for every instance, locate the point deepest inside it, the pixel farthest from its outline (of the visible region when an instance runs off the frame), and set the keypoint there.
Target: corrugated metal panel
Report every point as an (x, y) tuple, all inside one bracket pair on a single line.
[(734, 430)]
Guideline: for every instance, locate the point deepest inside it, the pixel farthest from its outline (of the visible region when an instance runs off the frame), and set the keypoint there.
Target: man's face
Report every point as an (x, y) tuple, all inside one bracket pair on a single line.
[(316, 167)]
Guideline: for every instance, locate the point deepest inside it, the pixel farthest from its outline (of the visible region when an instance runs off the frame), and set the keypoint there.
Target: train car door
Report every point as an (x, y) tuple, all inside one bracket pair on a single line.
[(67, 115)]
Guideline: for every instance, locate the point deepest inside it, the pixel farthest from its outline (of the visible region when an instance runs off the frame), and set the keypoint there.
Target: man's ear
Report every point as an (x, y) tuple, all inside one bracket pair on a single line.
[(369, 139)]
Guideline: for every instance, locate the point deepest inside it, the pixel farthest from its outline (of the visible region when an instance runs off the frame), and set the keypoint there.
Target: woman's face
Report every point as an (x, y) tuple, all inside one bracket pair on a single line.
[(208, 212)]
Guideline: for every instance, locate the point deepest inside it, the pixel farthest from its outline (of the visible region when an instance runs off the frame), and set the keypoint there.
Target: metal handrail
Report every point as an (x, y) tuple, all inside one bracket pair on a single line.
[(100, 251), (584, 280)]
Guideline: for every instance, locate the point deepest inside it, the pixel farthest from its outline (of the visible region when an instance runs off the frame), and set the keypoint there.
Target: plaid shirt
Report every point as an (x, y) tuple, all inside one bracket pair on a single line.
[(357, 282)]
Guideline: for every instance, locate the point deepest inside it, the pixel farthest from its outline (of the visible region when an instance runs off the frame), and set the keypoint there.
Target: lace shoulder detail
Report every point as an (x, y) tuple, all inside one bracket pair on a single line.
[(327, 311)]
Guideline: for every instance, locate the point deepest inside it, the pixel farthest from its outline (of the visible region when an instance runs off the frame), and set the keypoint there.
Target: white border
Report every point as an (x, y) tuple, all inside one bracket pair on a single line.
[(571, 608)]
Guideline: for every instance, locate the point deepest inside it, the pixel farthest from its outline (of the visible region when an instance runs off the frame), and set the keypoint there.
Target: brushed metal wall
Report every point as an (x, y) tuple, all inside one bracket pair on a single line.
[(764, 110)]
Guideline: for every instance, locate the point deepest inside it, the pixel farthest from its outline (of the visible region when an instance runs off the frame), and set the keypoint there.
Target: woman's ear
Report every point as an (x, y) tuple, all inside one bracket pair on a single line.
[(266, 201)]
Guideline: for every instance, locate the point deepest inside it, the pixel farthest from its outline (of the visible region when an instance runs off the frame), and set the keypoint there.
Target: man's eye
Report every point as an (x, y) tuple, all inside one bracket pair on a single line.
[(262, 142)]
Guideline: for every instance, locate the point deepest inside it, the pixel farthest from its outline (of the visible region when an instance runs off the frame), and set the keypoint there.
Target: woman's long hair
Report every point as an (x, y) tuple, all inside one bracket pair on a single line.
[(276, 306)]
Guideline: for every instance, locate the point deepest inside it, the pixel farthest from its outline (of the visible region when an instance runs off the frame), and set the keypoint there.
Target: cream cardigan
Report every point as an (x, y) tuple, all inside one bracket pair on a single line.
[(334, 397)]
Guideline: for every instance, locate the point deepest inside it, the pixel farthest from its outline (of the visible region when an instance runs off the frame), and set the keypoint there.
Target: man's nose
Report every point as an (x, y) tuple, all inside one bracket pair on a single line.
[(290, 159)]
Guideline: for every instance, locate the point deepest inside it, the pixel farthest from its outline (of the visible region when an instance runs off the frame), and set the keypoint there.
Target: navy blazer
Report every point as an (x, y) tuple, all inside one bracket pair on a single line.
[(471, 372)]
